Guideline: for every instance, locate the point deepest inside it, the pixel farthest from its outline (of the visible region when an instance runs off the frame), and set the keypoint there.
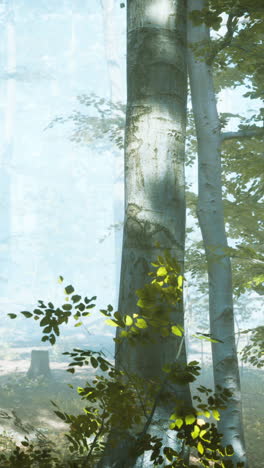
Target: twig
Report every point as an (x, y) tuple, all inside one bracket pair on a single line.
[(225, 41)]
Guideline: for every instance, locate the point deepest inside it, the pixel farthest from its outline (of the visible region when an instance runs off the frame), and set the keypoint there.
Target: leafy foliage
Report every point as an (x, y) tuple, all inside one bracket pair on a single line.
[(254, 352), (116, 402)]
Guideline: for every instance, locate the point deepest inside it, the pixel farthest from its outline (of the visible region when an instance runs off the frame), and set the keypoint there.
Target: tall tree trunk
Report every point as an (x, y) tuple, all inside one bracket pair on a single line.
[(211, 220), (154, 186), (7, 148), (116, 88)]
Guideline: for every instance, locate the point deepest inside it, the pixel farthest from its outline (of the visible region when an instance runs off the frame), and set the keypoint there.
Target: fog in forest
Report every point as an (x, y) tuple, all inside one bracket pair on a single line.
[(62, 121)]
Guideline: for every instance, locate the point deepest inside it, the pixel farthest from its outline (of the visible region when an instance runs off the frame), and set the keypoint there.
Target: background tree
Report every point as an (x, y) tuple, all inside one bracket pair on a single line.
[(210, 207)]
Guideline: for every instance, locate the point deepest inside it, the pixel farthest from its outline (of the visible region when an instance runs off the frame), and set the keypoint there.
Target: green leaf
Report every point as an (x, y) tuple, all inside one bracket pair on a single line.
[(44, 338), (25, 443), (103, 366), (195, 432), (179, 422), (60, 279), (189, 419), (52, 339), (141, 323), (94, 362), (229, 451), (200, 448), (27, 314), (78, 324), (44, 321), (76, 298), (128, 320), (38, 312), (162, 271), (67, 307), (180, 281), (69, 289), (176, 330), (216, 414), (207, 337), (12, 316), (112, 323)]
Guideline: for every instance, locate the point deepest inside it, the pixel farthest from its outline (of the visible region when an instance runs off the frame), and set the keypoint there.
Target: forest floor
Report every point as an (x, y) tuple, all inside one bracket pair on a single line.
[(25, 407)]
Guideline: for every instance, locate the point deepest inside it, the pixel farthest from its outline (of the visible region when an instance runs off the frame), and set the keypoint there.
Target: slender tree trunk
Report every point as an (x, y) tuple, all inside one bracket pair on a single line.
[(154, 187), (211, 220), (111, 46)]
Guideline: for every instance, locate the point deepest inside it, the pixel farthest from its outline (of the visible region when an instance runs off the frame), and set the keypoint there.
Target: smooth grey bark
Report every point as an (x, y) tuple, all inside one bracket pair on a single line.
[(154, 189), (211, 219)]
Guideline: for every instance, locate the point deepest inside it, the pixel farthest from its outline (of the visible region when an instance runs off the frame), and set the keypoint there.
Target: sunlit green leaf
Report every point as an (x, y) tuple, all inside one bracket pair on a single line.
[(200, 448), (216, 414), (189, 419), (141, 323), (162, 271), (128, 320), (111, 322), (195, 432), (176, 331), (179, 422)]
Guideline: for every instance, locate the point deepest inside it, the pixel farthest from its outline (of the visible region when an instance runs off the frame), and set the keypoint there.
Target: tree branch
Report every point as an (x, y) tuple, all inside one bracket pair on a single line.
[(247, 133), (225, 41)]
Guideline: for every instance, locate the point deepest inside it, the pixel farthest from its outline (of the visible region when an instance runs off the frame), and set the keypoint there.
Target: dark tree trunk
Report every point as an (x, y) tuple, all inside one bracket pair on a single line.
[(39, 364)]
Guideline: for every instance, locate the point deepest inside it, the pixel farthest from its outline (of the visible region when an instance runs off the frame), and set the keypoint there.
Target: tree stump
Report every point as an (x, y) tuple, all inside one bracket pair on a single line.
[(39, 365)]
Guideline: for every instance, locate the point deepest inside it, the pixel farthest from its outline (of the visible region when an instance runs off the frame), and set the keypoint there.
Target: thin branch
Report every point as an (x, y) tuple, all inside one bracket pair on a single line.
[(95, 441), (240, 134), (225, 41)]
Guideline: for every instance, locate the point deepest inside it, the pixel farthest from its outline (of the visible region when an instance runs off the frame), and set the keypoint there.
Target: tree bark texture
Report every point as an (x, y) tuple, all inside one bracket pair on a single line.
[(154, 187), (211, 220)]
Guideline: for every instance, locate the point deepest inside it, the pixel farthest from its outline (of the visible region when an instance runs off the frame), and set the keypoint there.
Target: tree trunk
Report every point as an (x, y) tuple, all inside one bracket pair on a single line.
[(39, 365), (211, 220), (154, 188)]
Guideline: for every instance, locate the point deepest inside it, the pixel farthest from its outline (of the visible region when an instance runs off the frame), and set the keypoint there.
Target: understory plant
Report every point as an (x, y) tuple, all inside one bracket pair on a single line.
[(117, 402)]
